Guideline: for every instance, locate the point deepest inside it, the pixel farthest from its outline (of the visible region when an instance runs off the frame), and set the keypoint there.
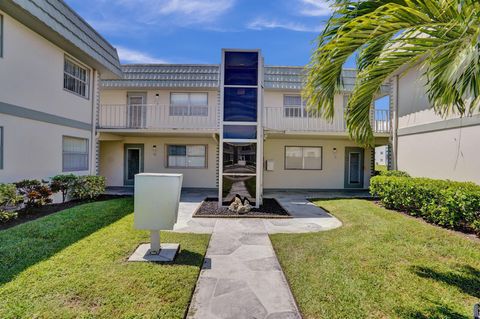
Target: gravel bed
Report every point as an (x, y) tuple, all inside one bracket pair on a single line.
[(270, 209)]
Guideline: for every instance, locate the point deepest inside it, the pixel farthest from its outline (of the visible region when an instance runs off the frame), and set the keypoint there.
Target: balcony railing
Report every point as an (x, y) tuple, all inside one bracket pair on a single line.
[(153, 116), (300, 120)]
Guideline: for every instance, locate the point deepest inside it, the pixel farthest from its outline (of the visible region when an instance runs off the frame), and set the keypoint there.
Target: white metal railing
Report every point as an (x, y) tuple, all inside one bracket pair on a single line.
[(298, 119), (154, 116)]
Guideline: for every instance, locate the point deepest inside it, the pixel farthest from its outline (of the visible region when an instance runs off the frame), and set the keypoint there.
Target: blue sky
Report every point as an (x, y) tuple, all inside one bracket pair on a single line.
[(194, 31)]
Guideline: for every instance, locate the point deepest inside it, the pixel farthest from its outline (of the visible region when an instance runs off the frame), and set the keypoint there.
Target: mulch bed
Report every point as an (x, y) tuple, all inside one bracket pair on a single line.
[(38, 212), (270, 209)]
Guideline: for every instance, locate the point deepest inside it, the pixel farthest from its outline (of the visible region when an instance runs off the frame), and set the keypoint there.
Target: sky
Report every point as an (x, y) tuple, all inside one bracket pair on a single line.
[(195, 31)]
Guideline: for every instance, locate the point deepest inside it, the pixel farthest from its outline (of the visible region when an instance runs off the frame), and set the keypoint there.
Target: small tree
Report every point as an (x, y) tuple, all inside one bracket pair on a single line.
[(63, 184)]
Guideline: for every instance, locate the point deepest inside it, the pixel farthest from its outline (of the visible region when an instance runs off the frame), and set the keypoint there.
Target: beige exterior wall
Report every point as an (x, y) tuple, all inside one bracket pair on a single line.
[(112, 160), (447, 154), (119, 96), (333, 164), (31, 76)]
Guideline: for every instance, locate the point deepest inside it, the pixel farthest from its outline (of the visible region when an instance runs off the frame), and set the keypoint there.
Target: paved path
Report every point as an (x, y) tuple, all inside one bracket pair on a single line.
[(241, 276)]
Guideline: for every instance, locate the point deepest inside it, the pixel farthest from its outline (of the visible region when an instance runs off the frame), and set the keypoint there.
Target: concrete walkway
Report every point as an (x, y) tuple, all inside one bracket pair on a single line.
[(241, 276)]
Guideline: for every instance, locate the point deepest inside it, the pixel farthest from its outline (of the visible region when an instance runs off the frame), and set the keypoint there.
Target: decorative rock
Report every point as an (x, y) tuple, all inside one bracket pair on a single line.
[(240, 207)]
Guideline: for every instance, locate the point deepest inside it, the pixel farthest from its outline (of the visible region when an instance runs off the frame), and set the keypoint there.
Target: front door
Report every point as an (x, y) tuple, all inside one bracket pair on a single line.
[(133, 162), (354, 161), (136, 109)]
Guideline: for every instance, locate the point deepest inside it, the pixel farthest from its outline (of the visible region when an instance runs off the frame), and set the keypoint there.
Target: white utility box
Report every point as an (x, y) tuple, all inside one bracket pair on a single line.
[(157, 197), (156, 200), (270, 165)]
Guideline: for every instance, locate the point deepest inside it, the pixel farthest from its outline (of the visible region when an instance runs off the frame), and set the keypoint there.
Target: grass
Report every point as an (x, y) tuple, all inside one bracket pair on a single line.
[(380, 264), (73, 265)]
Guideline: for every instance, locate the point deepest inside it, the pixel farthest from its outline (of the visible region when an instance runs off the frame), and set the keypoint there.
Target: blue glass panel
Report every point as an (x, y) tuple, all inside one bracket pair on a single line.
[(240, 131), (240, 105), (241, 68), (239, 158)]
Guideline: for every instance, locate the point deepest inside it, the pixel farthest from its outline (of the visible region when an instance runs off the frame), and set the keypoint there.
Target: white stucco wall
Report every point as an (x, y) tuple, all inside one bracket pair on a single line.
[(33, 149), (31, 76), (333, 167), (112, 160), (446, 154)]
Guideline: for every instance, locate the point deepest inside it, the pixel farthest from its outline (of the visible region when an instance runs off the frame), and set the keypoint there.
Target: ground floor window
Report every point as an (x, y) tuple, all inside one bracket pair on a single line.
[(75, 154), (303, 157), (187, 156)]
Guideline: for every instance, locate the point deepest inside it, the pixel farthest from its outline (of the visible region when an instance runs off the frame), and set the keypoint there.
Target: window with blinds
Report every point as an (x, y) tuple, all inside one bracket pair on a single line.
[(189, 104), (294, 106), (187, 156), (303, 157), (75, 78), (75, 154)]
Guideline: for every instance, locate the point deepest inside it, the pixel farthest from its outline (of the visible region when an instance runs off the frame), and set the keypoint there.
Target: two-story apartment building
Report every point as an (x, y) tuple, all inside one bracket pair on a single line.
[(425, 144), (51, 61), (239, 126)]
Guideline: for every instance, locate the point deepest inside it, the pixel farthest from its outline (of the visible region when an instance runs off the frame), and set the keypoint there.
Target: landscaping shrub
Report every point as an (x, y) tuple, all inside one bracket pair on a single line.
[(63, 184), (6, 216), (35, 193), (447, 203), (88, 187), (394, 173), (9, 196)]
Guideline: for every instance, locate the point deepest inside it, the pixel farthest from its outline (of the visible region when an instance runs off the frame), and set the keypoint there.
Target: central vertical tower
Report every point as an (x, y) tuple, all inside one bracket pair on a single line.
[(241, 132)]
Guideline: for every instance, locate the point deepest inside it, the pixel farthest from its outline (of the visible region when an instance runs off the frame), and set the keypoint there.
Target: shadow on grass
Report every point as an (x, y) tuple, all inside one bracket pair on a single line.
[(438, 311), (466, 278), (30, 243)]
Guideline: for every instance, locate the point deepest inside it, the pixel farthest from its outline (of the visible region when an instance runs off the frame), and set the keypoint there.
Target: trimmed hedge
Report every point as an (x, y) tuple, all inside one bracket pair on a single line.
[(88, 187), (446, 203), (394, 173)]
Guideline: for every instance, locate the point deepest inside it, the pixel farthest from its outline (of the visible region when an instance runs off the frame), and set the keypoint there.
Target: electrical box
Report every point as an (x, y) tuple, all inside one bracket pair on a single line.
[(270, 165), (157, 197)]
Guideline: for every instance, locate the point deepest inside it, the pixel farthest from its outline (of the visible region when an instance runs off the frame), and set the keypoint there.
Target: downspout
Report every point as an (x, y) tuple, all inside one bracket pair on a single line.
[(395, 124), (93, 142)]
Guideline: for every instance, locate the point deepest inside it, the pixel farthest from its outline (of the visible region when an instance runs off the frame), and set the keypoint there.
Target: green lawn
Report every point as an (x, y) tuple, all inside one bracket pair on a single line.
[(73, 265), (380, 264)]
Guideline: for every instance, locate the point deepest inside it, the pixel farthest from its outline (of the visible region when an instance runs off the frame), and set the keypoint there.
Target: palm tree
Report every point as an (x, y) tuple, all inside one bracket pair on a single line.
[(441, 35)]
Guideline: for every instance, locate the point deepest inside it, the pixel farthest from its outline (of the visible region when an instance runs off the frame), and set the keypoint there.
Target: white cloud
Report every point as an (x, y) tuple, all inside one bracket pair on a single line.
[(315, 8), (133, 56), (185, 12), (262, 24)]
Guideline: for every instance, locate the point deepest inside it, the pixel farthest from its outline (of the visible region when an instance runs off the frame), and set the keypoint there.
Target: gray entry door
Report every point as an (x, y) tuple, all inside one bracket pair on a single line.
[(133, 162), (354, 162)]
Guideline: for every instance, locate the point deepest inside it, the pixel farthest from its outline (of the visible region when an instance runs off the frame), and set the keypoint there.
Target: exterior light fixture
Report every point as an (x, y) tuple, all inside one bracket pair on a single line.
[(154, 149)]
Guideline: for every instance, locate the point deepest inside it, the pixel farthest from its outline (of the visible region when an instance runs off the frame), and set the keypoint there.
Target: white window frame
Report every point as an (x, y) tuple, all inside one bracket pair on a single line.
[(189, 107), (167, 161), (87, 154), (295, 111), (303, 159), (78, 81)]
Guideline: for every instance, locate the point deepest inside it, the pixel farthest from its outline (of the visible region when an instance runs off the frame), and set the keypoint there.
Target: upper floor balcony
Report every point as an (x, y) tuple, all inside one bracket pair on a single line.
[(157, 117), (297, 119), (205, 118)]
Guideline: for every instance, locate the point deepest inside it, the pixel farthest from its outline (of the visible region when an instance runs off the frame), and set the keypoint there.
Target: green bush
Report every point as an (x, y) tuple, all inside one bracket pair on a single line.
[(34, 192), (394, 173), (63, 184), (88, 187), (6, 216), (447, 203), (9, 196)]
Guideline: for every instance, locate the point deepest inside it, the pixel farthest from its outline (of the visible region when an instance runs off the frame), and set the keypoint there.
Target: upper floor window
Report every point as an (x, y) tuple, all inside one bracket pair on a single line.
[(75, 78), (1, 36), (75, 154), (294, 106), (190, 104)]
